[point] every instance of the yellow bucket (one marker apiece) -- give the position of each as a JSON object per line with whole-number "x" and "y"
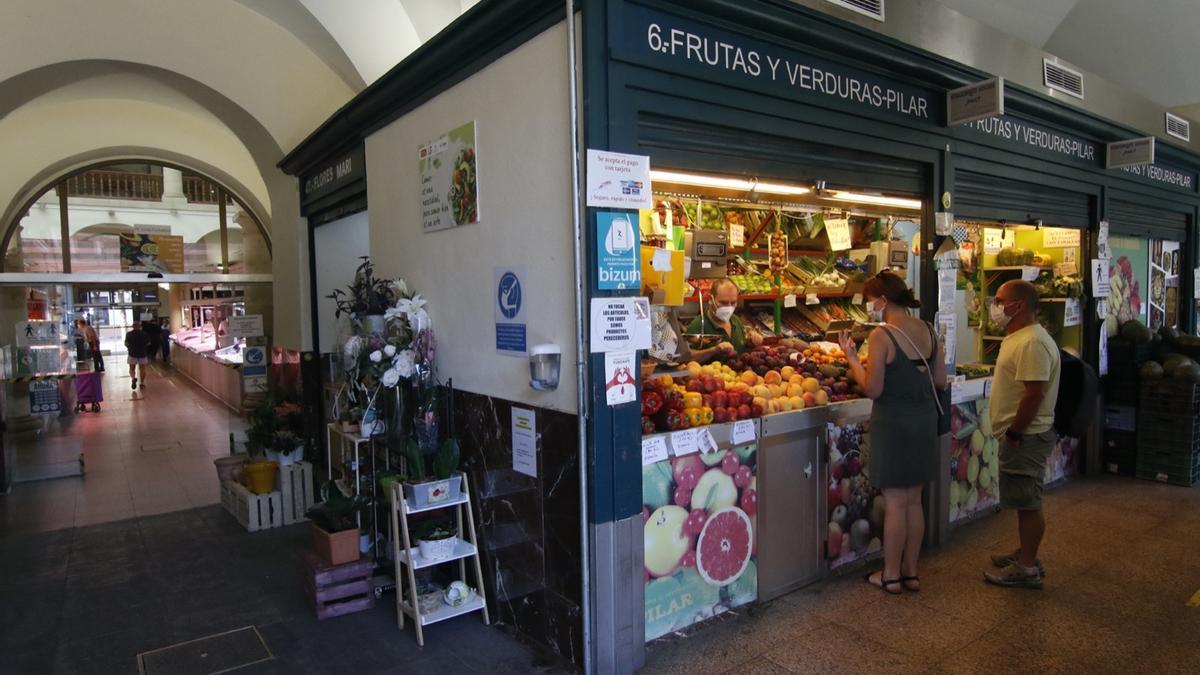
{"x": 260, "y": 477}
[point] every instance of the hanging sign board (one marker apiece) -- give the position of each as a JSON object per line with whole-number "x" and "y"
{"x": 975, "y": 101}
{"x": 1072, "y": 312}
{"x": 1134, "y": 152}
{"x": 249, "y": 325}
{"x": 617, "y": 247}
{"x": 618, "y": 181}
{"x": 30, "y": 333}
{"x": 620, "y": 382}
{"x": 1059, "y": 237}
{"x": 449, "y": 186}
{"x": 838, "y": 230}
{"x": 995, "y": 238}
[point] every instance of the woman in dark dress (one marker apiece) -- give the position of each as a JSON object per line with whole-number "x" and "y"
{"x": 904, "y": 438}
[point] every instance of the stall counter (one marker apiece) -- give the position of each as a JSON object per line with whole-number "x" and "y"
{"x": 218, "y": 377}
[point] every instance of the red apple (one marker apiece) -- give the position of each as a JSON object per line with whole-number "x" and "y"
{"x": 744, "y": 412}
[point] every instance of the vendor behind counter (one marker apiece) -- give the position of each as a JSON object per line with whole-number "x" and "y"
{"x": 718, "y": 322}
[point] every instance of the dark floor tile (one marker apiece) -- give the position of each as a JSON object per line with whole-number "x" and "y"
{"x": 35, "y": 659}
{"x": 113, "y": 653}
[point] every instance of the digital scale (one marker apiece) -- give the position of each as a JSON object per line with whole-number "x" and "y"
{"x": 709, "y": 252}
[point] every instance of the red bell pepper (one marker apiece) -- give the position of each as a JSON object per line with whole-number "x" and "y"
{"x": 652, "y": 402}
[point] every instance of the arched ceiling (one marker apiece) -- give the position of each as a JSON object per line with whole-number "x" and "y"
{"x": 1149, "y": 48}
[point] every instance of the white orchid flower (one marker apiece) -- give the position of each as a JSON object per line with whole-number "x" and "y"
{"x": 389, "y": 351}
{"x": 405, "y": 363}
{"x": 390, "y": 378}
{"x": 376, "y": 356}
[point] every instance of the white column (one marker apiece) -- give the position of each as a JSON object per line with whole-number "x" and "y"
{"x": 172, "y": 183}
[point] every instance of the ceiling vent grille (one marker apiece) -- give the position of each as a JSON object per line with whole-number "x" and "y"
{"x": 871, "y": 8}
{"x": 1179, "y": 127}
{"x": 1061, "y": 78}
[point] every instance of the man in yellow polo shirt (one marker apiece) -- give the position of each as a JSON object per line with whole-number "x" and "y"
{"x": 1024, "y": 390}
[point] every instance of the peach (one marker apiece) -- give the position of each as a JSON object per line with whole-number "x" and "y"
{"x": 795, "y": 390}
{"x": 811, "y": 384}
{"x": 761, "y": 391}
{"x": 773, "y": 377}
{"x": 797, "y": 403}
{"x": 796, "y": 379}
{"x": 785, "y": 404}
{"x": 749, "y": 377}
{"x": 773, "y": 406}
{"x": 694, "y": 368}
{"x": 787, "y": 372}
{"x": 810, "y": 399}
{"x": 822, "y": 397}
{"x": 776, "y": 390}
{"x": 760, "y": 401}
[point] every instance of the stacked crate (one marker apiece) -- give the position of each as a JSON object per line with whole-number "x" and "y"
{"x": 1121, "y": 391}
{"x": 1168, "y": 435}
{"x": 336, "y": 590}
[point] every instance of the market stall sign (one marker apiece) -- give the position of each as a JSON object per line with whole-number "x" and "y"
{"x": 162, "y": 253}
{"x": 449, "y": 189}
{"x": 617, "y": 244}
{"x": 975, "y": 101}
{"x": 1031, "y": 138}
{"x": 1133, "y": 152}
{"x": 838, "y": 231}
{"x": 620, "y": 324}
{"x": 249, "y": 325}
{"x": 44, "y": 398}
{"x": 333, "y": 175}
{"x": 701, "y": 51}
{"x": 1060, "y": 237}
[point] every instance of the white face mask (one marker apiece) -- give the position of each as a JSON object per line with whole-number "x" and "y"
{"x": 875, "y": 314}
{"x": 996, "y": 312}
{"x": 724, "y": 313}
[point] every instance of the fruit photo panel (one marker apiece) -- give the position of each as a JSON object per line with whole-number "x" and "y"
{"x": 699, "y": 528}
{"x": 855, "y": 530}
{"x": 974, "y": 461}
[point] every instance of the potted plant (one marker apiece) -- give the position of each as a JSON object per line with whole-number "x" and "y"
{"x": 434, "y": 481}
{"x": 348, "y": 420}
{"x": 335, "y": 524}
{"x": 276, "y": 431}
{"x": 367, "y": 298}
{"x": 436, "y": 538}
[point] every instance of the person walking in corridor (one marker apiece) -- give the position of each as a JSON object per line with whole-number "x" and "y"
{"x": 92, "y": 338}
{"x": 907, "y": 365}
{"x": 138, "y": 345}
{"x": 1024, "y": 390}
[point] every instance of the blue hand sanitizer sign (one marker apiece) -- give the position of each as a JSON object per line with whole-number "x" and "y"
{"x": 618, "y": 264}
{"x": 509, "y": 305}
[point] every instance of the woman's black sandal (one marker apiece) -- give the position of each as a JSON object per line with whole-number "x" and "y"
{"x": 883, "y": 583}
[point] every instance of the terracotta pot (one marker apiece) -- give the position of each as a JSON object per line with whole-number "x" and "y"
{"x": 337, "y": 548}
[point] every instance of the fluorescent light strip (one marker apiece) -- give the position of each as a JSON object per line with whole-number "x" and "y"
{"x": 726, "y": 183}
{"x": 842, "y": 196}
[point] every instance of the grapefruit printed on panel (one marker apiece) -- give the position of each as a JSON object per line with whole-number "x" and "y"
{"x": 724, "y": 548}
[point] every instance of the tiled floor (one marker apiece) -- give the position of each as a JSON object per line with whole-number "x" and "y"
{"x": 148, "y": 451}
{"x": 1123, "y": 559}
{"x": 89, "y": 599}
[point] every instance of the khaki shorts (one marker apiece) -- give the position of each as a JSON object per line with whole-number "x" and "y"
{"x": 1022, "y": 470}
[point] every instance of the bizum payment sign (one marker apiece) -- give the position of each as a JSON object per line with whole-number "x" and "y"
{"x": 617, "y": 241}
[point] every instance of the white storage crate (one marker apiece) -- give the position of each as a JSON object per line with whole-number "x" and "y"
{"x": 296, "y": 486}
{"x": 255, "y": 512}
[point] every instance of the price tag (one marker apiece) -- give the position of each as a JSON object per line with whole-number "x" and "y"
{"x": 838, "y": 231}
{"x": 654, "y": 449}
{"x": 1072, "y": 312}
{"x": 661, "y": 260}
{"x": 812, "y": 299}
{"x": 743, "y": 432}
{"x": 737, "y": 235}
{"x": 857, "y": 299}
{"x": 789, "y": 300}
{"x": 684, "y": 442}
{"x": 705, "y": 440}
{"x": 1030, "y": 273}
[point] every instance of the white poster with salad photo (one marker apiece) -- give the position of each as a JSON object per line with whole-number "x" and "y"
{"x": 449, "y": 183}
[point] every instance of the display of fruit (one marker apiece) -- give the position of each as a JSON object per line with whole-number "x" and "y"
{"x": 1014, "y": 257}
{"x": 752, "y": 284}
{"x": 1124, "y": 300}
{"x": 855, "y": 506}
{"x": 974, "y": 460}
{"x": 1066, "y": 286}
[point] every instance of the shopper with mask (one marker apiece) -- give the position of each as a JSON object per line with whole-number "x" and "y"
{"x": 1024, "y": 391}
{"x": 907, "y": 363}
{"x": 719, "y": 319}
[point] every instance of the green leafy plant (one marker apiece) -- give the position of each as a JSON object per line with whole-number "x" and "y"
{"x": 337, "y": 511}
{"x": 433, "y": 529}
{"x": 366, "y": 295}
{"x": 443, "y": 465}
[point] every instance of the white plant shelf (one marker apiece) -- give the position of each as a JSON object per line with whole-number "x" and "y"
{"x": 462, "y": 549}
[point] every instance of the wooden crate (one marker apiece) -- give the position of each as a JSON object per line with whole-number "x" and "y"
{"x": 336, "y": 590}
{"x": 296, "y": 485}
{"x": 255, "y": 512}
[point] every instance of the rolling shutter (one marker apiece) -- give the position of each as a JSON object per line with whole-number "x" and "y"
{"x": 1135, "y": 220}
{"x": 985, "y": 197}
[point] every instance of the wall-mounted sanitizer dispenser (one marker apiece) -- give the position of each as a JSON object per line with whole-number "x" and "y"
{"x": 545, "y": 363}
